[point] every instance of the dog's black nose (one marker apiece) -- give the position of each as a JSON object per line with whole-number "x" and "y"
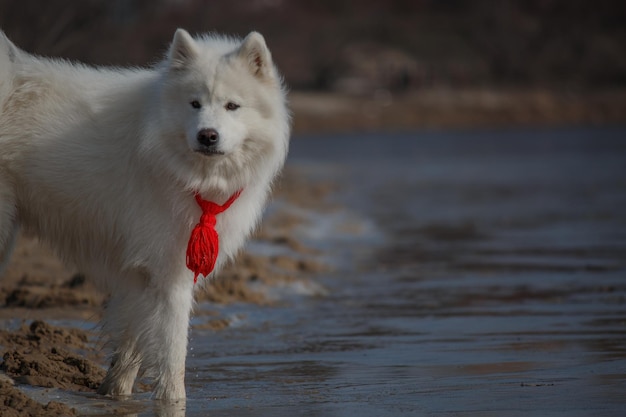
{"x": 208, "y": 137}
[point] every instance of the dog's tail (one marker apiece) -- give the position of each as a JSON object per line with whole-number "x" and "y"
{"x": 8, "y": 54}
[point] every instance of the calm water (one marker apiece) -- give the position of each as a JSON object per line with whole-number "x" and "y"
{"x": 477, "y": 273}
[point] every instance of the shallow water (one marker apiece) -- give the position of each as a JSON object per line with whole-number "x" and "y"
{"x": 477, "y": 273}
{"x": 487, "y": 277}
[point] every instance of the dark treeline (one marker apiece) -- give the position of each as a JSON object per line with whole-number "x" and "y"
{"x": 354, "y": 46}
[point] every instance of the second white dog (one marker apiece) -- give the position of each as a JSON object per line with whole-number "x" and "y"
{"x": 104, "y": 164}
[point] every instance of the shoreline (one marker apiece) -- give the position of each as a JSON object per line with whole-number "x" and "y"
{"x": 454, "y": 109}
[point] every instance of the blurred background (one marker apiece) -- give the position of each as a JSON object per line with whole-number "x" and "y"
{"x": 375, "y": 64}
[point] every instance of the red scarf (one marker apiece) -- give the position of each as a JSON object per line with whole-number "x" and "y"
{"x": 203, "y": 246}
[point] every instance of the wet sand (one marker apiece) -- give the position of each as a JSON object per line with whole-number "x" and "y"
{"x": 44, "y": 344}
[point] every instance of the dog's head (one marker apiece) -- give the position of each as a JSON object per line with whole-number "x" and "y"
{"x": 221, "y": 112}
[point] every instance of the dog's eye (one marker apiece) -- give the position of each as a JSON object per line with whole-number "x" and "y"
{"x": 232, "y": 106}
{"x": 196, "y": 104}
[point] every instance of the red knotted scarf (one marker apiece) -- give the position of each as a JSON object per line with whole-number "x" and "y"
{"x": 203, "y": 246}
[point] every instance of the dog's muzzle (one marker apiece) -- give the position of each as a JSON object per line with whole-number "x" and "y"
{"x": 209, "y": 140}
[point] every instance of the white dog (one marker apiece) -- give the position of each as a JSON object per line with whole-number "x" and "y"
{"x": 104, "y": 165}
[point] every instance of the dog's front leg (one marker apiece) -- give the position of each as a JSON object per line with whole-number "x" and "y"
{"x": 121, "y": 376}
{"x": 147, "y": 327}
{"x": 169, "y": 343}
{"x": 124, "y": 314}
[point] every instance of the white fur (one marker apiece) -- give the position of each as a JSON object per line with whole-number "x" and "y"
{"x": 103, "y": 163}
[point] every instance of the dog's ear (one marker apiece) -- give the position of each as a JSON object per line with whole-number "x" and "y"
{"x": 255, "y": 53}
{"x": 182, "y": 50}
{"x": 7, "y": 48}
